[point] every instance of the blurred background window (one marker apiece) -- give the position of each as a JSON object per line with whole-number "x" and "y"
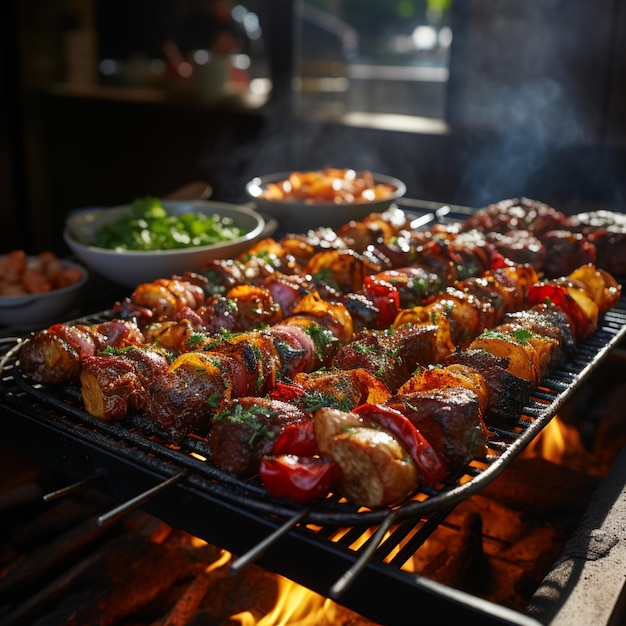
{"x": 372, "y": 57}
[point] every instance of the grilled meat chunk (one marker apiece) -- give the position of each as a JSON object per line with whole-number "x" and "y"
{"x": 162, "y": 298}
{"x": 185, "y": 398}
{"x": 393, "y": 355}
{"x": 515, "y": 214}
{"x": 520, "y": 246}
{"x": 508, "y": 393}
{"x": 606, "y": 230}
{"x": 49, "y": 358}
{"x": 111, "y": 385}
{"x": 565, "y": 251}
{"x": 248, "y": 430}
{"x": 449, "y": 419}
{"x": 243, "y": 308}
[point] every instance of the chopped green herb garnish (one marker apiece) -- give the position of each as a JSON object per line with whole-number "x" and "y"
{"x": 148, "y": 226}
{"x": 362, "y": 348}
{"x": 195, "y": 339}
{"x": 314, "y": 400}
{"x": 249, "y": 417}
{"x": 322, "y": 338}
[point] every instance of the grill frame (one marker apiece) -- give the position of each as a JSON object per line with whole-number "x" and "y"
{"x": 61, "y": 406}
{"x": 220, "y": 513}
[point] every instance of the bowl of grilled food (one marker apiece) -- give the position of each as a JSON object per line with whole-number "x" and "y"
{"x": 153, "y": 238}
{"x": 330, "y": 197}
{"x": 36, "y": 289}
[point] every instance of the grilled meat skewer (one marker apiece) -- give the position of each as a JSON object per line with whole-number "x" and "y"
{"x": 325, "y": 308}
{"x": 54, "y": 356}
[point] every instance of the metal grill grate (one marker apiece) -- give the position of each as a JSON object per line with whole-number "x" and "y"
{"x": 62, "y": 408}
{"x": 360, "y": 550}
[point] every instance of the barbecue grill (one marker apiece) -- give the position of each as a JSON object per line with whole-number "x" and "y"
{"x": 355, "y": 552}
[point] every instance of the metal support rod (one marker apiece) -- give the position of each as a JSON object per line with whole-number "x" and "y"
{"x": 126, "y": 507}
{"x": 340, "y": 587}
{"x": 69, "y": 489}
{"x": 262, "y": 546}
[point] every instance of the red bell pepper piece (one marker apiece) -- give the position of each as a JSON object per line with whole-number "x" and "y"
{"x": 298, "y": 439}
{"x": 498, "y": 260}
{"x": 429, "y": 464}
{"x": 385, "y": 297}
{"x": 557, "y": 295}
{"x": 300, "y": 479}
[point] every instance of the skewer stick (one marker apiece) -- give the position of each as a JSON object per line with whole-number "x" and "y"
{"x": 340, "y": 587}
{"x": 441, "y": 212}
{"x": 64, "y": 491}
{"x": 126, "y": 507}
{"x": 261, "y": 547}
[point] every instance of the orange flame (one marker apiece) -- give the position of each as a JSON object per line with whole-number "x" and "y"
{"x": 296, "y": 606}
{"x": 552, "y": 442}
{"x": 560, "y": 443}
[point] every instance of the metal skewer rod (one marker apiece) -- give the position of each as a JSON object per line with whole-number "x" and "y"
{"x": 441, "y": 212}
{"x": 126, "y": 507}
{"x": 64, "y": 491}
{"x": 340, "y": 587}
{"x": 261, "y": 547}
{"x": 423, "y": 220}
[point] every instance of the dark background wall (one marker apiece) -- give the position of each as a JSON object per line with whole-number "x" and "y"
{"x": 536, "y": 107}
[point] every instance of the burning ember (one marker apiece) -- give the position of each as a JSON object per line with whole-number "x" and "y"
{"x": 58, "y": 567}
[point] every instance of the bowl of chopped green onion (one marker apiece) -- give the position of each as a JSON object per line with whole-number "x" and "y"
{"x": 153, "y": 238}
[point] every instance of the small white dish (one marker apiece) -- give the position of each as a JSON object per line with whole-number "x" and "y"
{"x": 38, "y": 309}
{"x": 131, "y": 268}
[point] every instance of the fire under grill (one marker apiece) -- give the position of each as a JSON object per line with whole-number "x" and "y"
{"x": 330, "y": 547}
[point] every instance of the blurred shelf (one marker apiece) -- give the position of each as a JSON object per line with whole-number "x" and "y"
{"x": 181, "y": 94}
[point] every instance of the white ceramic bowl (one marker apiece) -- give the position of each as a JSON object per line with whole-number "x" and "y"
{"x": 131, "y": 268}
{"x": 298, "y": 217}
{"x": 38, "y": 309}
